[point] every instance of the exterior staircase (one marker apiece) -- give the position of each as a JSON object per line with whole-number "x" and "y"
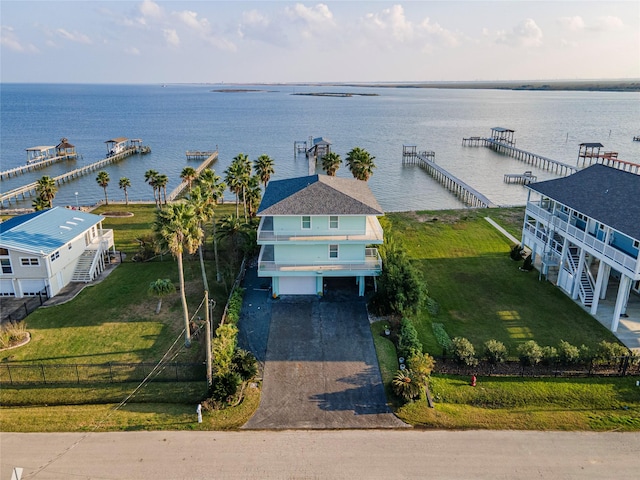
{"x": 84, "y": 270}
{"x": 586, "y": 281}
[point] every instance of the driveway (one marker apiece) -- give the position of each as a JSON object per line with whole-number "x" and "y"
{"x": 320, "y": 368}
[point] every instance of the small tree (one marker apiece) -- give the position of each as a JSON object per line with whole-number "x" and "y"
{"x": 421, "y": 364}
{"x": 529, "y": 353}
{"x": 495, "y": 352}
{"x": 406, "y": 385}
{"x": 224, "y": 346}
{"x": 463, "y": 352}
{"x": 161, "y": 288}
{"x": 568, "y": 354}
{"x": 408, "y": 343}
{"x": 244, "y": 364}
{"x": 609, "y": 352}
{"x": 549, "y": 355}
{"x": 103, "y": 180}
{"x": 124, "y": 183}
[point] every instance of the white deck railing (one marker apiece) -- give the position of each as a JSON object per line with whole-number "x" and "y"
{"x": 371, "y": 262}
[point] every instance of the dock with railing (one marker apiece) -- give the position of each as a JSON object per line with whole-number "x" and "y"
{"x": 521, "y": 178}
{"x": 176, "y": 192}
{"x": 466, "y": 193}
{"x": 30, "y": 167}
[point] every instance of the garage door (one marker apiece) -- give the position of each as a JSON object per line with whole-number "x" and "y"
{"x": 31, "y": 288}
{"x": 6, "y": 288}
{"x": 298, "y": 285}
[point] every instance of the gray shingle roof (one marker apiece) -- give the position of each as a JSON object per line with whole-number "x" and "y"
{"x": 319, "y": 195}
{"x": 606, "y": 194}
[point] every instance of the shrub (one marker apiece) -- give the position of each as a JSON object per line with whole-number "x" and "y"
{"x": 224, "y": 387}
{"x": 516, "y": 252}
{"x": 495, "y": 352}
{"x": 12, "y": 333}
{"x": 406, "y": 385}
{"x": 223, "y": 348}
{"x": 568, "y": 354}
{"x": 549, "y": 355}
{"x": 529, "y": 353}
{"x": 235, "y": 305}
{"x": 244, "y": 364}
{"x": 585, "y": 355}
{"x": 609, "y": 352}
{"x": 421, "y": 364}
{"x": 442, "y": 337}
{"x": 408, "y": 343}
{"x": 463, "y": 352}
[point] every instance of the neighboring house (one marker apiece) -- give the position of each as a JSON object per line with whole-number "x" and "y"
{"x": 316, "y": 227}
{"x": 42, "y": 252}
{"x": 586, "y": 227}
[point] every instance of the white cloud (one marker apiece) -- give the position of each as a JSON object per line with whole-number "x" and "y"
{"x": 572, "y": 24}
{"x": 203, "y": 30}
{"x": 132, "y": 51}
{"x": 150, "y": 9}
{"x": 9, "y": 39}
{"x": 392, "y": 21}
{"x": 607, "y": 24}
{"x": 315, "y": 20}
{"x": 171, "y": 37}
{"x": 73, "y": 36}
{"x": 525, "y": 34}
{"x": 258, "y": 26}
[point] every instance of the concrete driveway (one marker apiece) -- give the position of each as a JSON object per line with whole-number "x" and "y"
{"x": 320, "y": 368}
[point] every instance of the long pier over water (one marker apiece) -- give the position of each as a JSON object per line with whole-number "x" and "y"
{"x": 30, "y": 189}
{"x": 212, "y": 157}
{"x": 426, "y": 160}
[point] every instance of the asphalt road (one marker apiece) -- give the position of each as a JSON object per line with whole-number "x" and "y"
{"x": 320, "y": 454}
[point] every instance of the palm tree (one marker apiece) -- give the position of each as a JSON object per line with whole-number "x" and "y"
{"x": 212, "y": 184}
{"x": 40, "y": 203}
{"x": 161, "y": 288}
{"x": 235, "y": 232}
{"x": 203, "y": 205}
{"x": 330, "y": 163}
{"x": 103, "y": 180}
{"x": 264, "y": 168}
{"x": 46, "y": 189}
{"x": 360, "y": 163}
{"x": 125, "y": 183}
{"x": 177, "y": 229}
{"x": 161, "y": 184}
{"x": 188, "y": 175}
{"x": 236, "y": 176}
{"x": 252, "y": 195}
{"x": 150, "y": 177}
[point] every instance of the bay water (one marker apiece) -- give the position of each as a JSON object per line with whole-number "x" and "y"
{"x": 172, "y": 119}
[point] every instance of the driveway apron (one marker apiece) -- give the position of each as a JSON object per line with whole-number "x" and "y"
{"x": 321, "y": 369}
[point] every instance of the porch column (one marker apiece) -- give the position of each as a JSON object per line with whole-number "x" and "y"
{"x": 621, "y": 301}
{"x": 275, "y": 286}
{"x": 605, "y": 282}
{"x": 361, "y": 286}
{"x": 576, "y": 280}
{"x": 598, "y": 288}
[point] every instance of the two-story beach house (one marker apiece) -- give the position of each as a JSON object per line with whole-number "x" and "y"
{"x": 42, "y": 252}
{"x": 316, "y": 227}
{"x": 586, "y": 229}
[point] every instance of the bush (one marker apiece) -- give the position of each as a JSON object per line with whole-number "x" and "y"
{"x": 549, "y": 355}
{"x": 408, "y": 343}
{"x": 224, "y": 387}
{"x": 244, "y": 364}
{"x": 495, "y": 352}
{"x": 608, "y": 352}
{"x": 516, "y": 252}
{"x": 463, "y": 352}
{"x": 442, "y": 337}
{"x": 223, "y": 348}
{"x": 421, "y": 364}
{"x": 529, "y": 353}
{"x": 235, "y": 305}
{"x": 568, "y": 354}
{"x": 406, "y": 385}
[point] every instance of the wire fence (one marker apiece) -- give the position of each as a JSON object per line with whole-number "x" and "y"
{"x": 76, "y": 373}
{"x": 14, "y": 310}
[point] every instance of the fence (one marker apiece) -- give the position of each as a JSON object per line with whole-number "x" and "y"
{"x": 14, "y": 310}
{"x": 12, "y": 374}
{"x": 619, "y": 367}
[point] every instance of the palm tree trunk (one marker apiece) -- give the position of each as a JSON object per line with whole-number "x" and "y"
{"x": 185, "y": 307}
{"x": 204, "y": 272}
{"x": 106, "y": 197}
{"x": 215, "y": 252}
{"x": 126, "y": 198}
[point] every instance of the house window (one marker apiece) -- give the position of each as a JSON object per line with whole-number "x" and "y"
{"x": 55, "y": 255}
{"x": 333, "y": 251}
{"x": 333, "y": 221}
{"x": 306, "y": 222}
{"x": 29, "y": 262}
{"x": 5, "y": 263}
{"x": 636, "y": 244}
{"x": 4, "y": 251}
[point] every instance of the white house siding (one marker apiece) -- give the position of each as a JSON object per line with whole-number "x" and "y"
{"x": 317, "y": 253}
{"x": 320, "y": 225}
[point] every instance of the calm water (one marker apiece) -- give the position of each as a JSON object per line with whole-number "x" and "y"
{"x": 177, "y": 118}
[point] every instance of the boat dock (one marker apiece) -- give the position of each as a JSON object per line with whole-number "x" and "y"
{"x": 200, "y": 154}
{"x": 43, "y": 156}
{"x": 30, "y": 189}
{"x": 467, "y": 194}
{"x": 521, "y": 178}
{"x": 176, "y": 192}
{"x": 30, "y": 167}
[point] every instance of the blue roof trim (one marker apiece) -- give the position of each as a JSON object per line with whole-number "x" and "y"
{"x": 19, "y": 220}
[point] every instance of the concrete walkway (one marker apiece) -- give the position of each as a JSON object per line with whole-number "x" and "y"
{"x": 321, "y": 369}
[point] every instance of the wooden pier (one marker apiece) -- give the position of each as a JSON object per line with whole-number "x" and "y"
{"x": 200, "y": 154}
{"x": 534, "y": 159}
{"x": 411, "y": 156}
{"x": 521, "y": 178}
{"x": 467, "y": 194}
{"x": 474, "y": 142}
{"x": 176, "y": 192}
{"x": 14, "y": 172}
{"x": 30, "y": 189}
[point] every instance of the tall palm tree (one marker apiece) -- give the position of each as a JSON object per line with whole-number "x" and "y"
{"x": 124, "y": 184}
{"x": 330, "y": 163}
{"x": 235, "y": 176}
{"x": 177, "y": 229}
{"x": 161, "y": 184}
{"x": 203, "y": 205}
{"x": 264, "y": 167}
{"x": 188, "y": 175}
{"x": 235, "y": 232}
{"x": 150, "y": 177}
{"x": 212, "y": 184}
{"x": 103, "y": 180}
{"x": 40, "y": 203}
{"x": 360, "y": 163}
{"x": 46, "y": 189}
{"x": 252, "y": 195}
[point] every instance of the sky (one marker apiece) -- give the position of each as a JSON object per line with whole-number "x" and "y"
{"x": 148, "y": 41}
